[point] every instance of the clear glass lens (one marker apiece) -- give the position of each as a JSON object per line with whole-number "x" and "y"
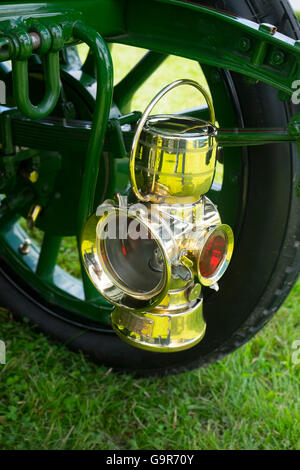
{"x": 129, "y": 257}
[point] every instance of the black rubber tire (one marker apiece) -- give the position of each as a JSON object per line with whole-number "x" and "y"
{"x": 266, "y": 262}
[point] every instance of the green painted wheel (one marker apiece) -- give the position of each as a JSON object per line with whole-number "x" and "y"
{"x": 256, "y": 195}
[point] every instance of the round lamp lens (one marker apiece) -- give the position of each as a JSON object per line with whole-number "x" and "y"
{"x": 213, "y": 254}
{"x": 129, "y": 260}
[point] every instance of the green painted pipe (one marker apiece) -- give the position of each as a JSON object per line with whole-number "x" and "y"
{"x": 52, "y": 86}
{"x": 104, "y": 70}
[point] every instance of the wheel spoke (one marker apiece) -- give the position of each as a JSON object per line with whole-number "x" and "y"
{"x": 48, "y": 256}
{"x": 124, "y": 91}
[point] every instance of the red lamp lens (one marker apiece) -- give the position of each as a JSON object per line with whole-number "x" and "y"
{"x": 212, "y": 255}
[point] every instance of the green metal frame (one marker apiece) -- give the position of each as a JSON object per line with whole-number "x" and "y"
{"x": 217, "y": 39}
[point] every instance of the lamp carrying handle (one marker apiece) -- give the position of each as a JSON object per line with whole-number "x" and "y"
{"x": 144, "y": 118}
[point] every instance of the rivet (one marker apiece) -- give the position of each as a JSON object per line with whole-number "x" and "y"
{"x": 245, "y": 44}
{"x": 277, "y": 58}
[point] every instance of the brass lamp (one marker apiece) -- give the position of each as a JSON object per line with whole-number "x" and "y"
{"x": 151, "y": 258}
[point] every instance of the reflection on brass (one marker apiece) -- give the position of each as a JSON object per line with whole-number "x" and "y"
{"x": 175, "y": 163}
{"x": 173, "y": 158}
{"x": 161, "y": 331}
{"x": 33, "y": 215}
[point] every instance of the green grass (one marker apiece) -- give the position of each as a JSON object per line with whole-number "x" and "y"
{"x": 173, "y": 68}
{"x": 51, "y": 398}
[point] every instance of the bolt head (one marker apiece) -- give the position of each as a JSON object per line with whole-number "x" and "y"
{"x": 24, "y": 249}
{"x": 245, "y": 44}
{"x": 277, "y": 58}
{"x": 35, "y": 39}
